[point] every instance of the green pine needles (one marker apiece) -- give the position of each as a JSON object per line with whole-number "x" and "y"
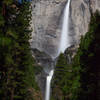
{"x": 17, "y": 80}
{"x": 81, "y": 79}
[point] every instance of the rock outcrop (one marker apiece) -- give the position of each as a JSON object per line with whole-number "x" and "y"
{"x": 44, "y": 64}
{"x": 46, "y": 24}
{"x": 80, "y": 15}
{"x": 47, "y": 18}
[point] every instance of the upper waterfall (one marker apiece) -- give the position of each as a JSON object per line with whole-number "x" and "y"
{"x": 65, "y": 42}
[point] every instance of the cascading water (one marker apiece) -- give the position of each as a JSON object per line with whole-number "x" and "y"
{"x": 64, "y": 44}
{"x": 48, "y": 82}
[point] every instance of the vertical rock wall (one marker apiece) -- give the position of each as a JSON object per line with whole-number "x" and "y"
{"x": 80, "y": 15}
{"x": 46, "y": 24}
{"x": 47, "y": 21}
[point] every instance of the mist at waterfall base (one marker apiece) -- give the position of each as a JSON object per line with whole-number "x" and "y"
{"x": 64, "y": 44}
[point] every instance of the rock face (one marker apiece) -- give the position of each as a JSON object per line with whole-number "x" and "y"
{"x": 46, "y": 24}
{"x": 95, "y": 5}
{"x": 80, "y": 15}
{"x": 44, "y": 64}
{"x": 47, "y": 18}
{"x": 47, "y": 21}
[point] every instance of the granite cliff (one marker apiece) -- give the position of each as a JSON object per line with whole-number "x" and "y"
{"x": 81, "y": 11}
{"x": 47, "y": 18}
{"x": 47, "y": 21}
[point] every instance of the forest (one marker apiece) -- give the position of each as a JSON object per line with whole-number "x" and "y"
{"x": 78, "y": 80}
{"x": 17, "y": 80}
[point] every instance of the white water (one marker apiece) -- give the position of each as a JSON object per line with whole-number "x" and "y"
{"x": 65, "y": 42}
{"x": 48, "y": 82}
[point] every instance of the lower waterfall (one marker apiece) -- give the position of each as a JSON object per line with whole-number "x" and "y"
{"x": 48, "y": 82}
{"x": 64, "y": 44}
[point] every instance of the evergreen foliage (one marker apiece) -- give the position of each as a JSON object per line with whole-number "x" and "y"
{"x": 89, "y": 53}
{"x": 16, "y": 63}
{"x": 81, "y": 79}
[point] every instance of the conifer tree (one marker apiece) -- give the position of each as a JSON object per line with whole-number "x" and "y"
{"x": 16, "y": 62}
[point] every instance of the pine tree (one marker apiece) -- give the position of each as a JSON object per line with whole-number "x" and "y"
{"x": 16, "y": 62}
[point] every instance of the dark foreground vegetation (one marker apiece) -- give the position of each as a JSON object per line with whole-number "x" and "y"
{"x": 17, "y": 81}
{"x": 81, "y": 79}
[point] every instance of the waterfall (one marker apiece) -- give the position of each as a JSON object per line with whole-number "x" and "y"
{"x": 48, "y": 82}
{"x": 65, "y": 42}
